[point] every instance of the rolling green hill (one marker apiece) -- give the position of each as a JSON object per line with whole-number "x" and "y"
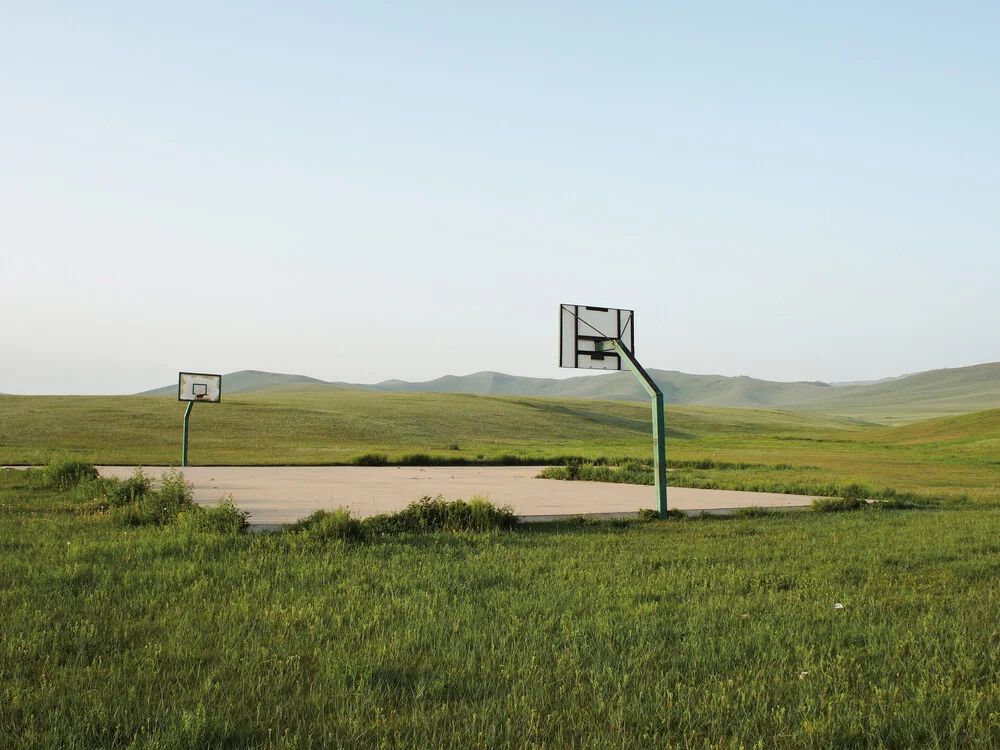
{"x": 908, "y": 398}
{"x": 923, "y": 395}
{"x": 253, "y": 381}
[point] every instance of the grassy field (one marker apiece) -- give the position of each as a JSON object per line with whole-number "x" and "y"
{"x": 952, "y": 457}
{"x": 121, "y": 632}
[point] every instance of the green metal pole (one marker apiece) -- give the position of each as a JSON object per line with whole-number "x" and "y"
{"x": 659, "y": 431}
{"x": 187, "y": 416}
{"x": 659, "y": 455}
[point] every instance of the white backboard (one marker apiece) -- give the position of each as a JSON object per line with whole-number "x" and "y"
{"x": 196, "y": 386}
{"x": 582, "y": 326}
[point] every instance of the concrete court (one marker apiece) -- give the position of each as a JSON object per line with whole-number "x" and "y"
{"x": 283, "y": 494}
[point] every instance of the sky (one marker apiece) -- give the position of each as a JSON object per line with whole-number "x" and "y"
{"x": 364, "y": 191}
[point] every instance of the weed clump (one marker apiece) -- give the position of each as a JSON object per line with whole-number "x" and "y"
{"x": 421, "y": 516}
{"x": 837, "y": 504}
{"x": 328, "y": 526}
{"x": 122, "y": 492}
{"x": 135, "y": 501}
{"x": 896, "y": 503}
{"x": 752, "y": 511}
{"x": 371, "y": 459}
{"x": 439, "y": 514}
{"x": 160, "y": 507}
{"x": 647, "y": 515}
{"x": 223, "y": 518}
{"x": 629, "y": 471}
{"x": 65, "y": 473}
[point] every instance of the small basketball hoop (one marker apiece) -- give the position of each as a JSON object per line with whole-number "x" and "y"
{"x": 192, "y": 387}
{"x": 195, "y": 386}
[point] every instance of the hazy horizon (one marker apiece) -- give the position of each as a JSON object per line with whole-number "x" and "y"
{"x": 360, "y": 192}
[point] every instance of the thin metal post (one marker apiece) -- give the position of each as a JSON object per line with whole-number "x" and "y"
{"x": 659, "y": 431}
{"x": 187, "y": 415}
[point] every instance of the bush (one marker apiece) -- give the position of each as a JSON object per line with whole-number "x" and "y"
{"x": 64, "y": 473}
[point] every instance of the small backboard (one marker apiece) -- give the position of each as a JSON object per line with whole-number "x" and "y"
{"x": 582, "y": 326}
{"x": 197, "y": 386}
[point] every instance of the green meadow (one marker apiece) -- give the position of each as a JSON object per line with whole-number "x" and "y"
{"x": 133, "y": 619}
{"x": 129, "y": 626}
{"x": 951, "y": 458}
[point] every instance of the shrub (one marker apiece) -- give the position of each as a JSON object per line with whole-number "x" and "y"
{"x": 64, "y": 473}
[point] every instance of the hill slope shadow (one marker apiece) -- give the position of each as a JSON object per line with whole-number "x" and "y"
{"x": 623, "y": 423}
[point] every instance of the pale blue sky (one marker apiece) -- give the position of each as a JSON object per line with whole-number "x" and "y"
{"x": 362, "y": 191}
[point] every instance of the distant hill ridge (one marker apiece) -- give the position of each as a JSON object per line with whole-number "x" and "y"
{"x": 924, "y": 394}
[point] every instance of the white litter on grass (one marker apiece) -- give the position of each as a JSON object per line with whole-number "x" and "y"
{"x": 838, "y": 605}
{"x": 803, "y": 675}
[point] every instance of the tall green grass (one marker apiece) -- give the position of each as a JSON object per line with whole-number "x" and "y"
{"x": 692, "y": 633}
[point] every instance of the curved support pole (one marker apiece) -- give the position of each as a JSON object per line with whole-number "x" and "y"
{"x": 659, "y": 433}
{"x": 187, "y": 416}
